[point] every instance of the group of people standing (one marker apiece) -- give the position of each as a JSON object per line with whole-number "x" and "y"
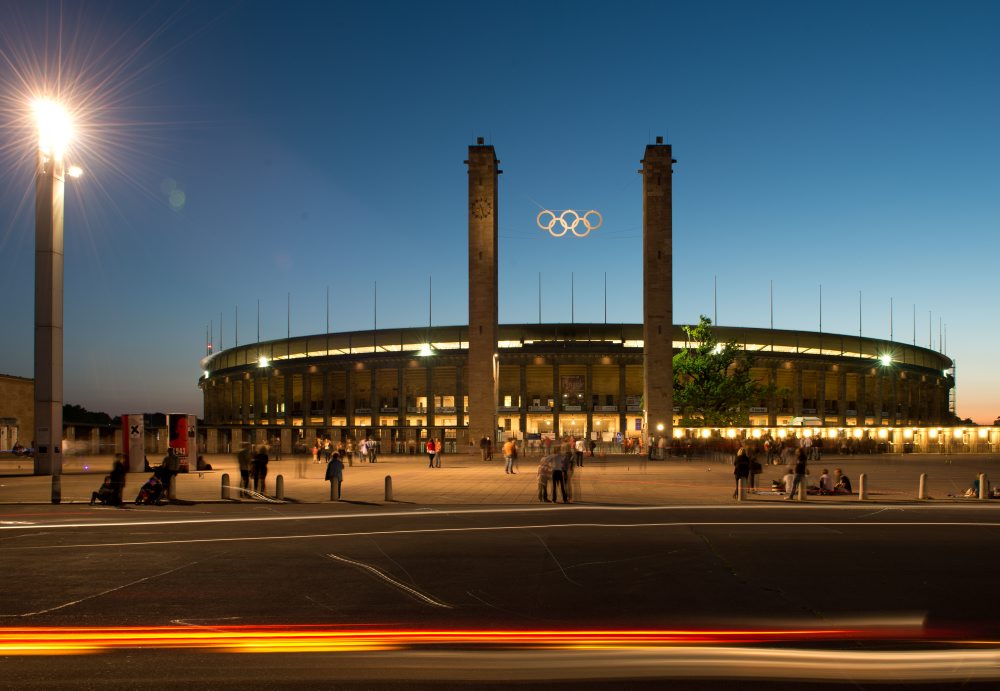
{"x": 367, "y": 450}
{"x": 253, "y": 465}
{"x": 434, "y": 449}
{"x": 557, "y": 468}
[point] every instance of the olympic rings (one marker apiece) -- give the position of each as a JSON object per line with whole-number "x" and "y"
{"x": 569, "y": 225}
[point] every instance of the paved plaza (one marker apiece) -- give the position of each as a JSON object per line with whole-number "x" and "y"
{"x": 467, "y": 480}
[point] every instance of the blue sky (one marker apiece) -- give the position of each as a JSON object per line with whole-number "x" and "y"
{"x": 238, "y": 151}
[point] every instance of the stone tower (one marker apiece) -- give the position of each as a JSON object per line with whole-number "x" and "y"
{"x": 657, "y": 288}
{"x": 483, "y": 314}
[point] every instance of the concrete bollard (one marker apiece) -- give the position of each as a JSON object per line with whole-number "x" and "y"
{"x": 802, "y": 490}
{"x": 56, "y": 489}
{"x": 172, "y": 488}
{"x": 388, "y": 487}
{"x": 984, "y": 489}
{"x": 334, "y": 490}
{"x": 922, "y": 490}
{"x": 279, "y": 488}
{"x": 225, "y": 485}
{"x": 862, "y": 492}
{"x": 741, "y": 490}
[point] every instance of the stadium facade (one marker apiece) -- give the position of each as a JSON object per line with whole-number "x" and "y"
{"x": 607, "y": 381}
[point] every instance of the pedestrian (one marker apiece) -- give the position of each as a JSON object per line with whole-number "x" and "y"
{"x": 430, "y": 453}
{"x": 543, "y": 474}
{"x": 568, "y": 463}
{"x": 558, "y": 478}
{"x": 335, "y": 475}
{"x": 373, "y": 450}
{"x": 508, "y": 456}
{"x": 245, "y": 460}
{"x": 741, "y": 469}
{"x": 484, "y": 444}
{"x": 117, "y": 478}
{"x": 799, "y": 473}
{"x": 363, "y": 450}
{"x": 171, "y": 463}
{"x": 438, "y": 447}
{"x": 578, "y": 450}
{"x": 350, "y": 452}
{"x": 259, "y": 470}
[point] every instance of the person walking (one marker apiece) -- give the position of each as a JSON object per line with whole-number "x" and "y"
{"x": 558, "y": 477}
{"x": 508, "y": 456}
{"x": 579, "y": 448}
{"x": 741, "y": 469}
{"x": 438, "y": 448}
{"x": 568, "y": 463}
{"x": 543, "y": 474}
{"x": 373, "y": 450}
{"x": 244, "y": 459}
{"x": 259, "y": 470}
{"x": 335, "y": 475}
{"x": 799, "y": 474}
{"x": 430, "y": 452}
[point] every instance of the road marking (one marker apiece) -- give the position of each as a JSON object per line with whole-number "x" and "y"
{"x": 390, "y": 580}
{"x": 3, "y": 523}
{"x": 499, "y": 528}
{"x": 422, "y": 512}
{"x": 103, "y": 592}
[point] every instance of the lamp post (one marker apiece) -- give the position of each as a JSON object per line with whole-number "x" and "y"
{"x": 50, "y": 175}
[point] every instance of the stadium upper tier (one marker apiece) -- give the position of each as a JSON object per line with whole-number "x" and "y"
{"x": 588, "y": 376}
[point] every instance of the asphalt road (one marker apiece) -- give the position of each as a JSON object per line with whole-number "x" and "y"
{"x": 910, "y": 576}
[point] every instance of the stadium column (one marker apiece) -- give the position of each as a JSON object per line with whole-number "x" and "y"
{"x": 657, "y": 287}
{"x": 522, "y": 399}
{"x": 622, "y": 408}
{"x": 821, "y": 393}
{"x": 588, "y": 401}
{"x": 842, "y": 397}
{"x": 483, "y": 313}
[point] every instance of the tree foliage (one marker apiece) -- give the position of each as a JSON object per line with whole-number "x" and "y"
{"x": 712, "y": 382}
{"x": 78, "y": 415}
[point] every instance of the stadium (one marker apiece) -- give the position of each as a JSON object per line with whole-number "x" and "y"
{"x": 607, "y": 382}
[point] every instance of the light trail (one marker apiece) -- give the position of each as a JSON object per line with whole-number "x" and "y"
{"x": 425, "y": 512}
{"x": 501, "y": 528}
{"x": 235, "y": 639}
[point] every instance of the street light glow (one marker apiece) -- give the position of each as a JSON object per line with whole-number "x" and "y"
{"x": 54, "y": 127}
{"x": 75, "y": 171}
{"x": 886, "y": 360}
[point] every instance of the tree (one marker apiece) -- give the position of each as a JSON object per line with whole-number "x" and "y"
{"x": 712, "y": 382}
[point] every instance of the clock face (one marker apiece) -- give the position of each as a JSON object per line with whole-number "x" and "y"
{"x": 481, "y": 208}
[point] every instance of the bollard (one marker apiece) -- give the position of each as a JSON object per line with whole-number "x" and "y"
{"x": 334, "y": 490}
{"x": 862, "y": 492}
{"x": 802, "y": 490}
{"x": 225, "y": 485}
{"x": 172, "y": 488}
{"x": 922, "y": 491}
{"x": 741, "y": 490}
{"x": 279, "y": 488}
{"x": 56, "y": 489}
{"x": 388, "y": 487}
{"x": 984, "y": 490}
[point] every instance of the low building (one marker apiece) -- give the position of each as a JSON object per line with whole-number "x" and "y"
{"x": 17, "y": 411}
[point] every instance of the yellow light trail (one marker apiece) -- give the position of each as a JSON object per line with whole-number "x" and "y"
{"x": 305, "y": 639}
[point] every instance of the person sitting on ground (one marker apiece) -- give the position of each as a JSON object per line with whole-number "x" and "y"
{"x": 105, "y": 494}
{"x": 825, "y": 482}
{"x": 787, "y": 480}
{"x": 843, "y": 484}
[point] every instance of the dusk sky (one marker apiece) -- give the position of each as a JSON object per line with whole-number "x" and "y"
{"x": 242, "y": 151}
